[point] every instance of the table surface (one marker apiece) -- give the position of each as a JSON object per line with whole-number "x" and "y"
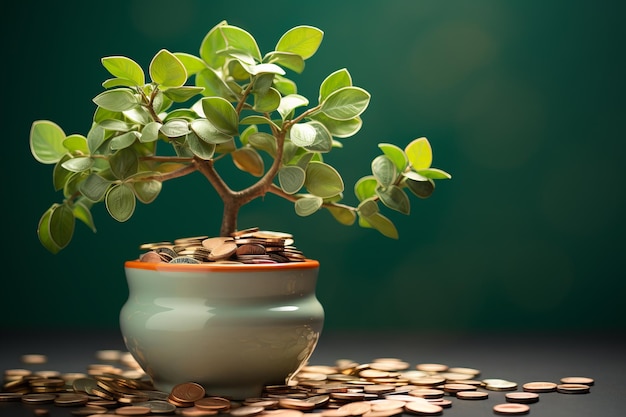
{"x": 516, "y": 357}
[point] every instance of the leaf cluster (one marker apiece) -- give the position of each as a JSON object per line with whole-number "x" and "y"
{"x": 227, "y": 102}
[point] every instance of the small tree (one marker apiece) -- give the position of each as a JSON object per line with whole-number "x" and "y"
{"x": 240, "y": 104}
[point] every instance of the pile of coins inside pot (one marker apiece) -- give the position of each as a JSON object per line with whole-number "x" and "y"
{"x": 384, "y": 387}
{"x": 250, "y": 246}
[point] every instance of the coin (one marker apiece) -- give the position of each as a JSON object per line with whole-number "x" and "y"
{"x": 384, "y": 405}
{"x": 33, "y": 359}
{"x": 427, "y": 393}
{"x": 246, "y": 410}
{"x": 10, "y": 396}
{"x": 384, "y": 413}
{"x": 356, "y": 408}
{"x": 577, "y": 380}
{"x": 572, "y": 388}
{"x": 495, "y": 384}
{"x": 71, "y": 399}
{"x": 423, "y": 409}
{"x": 522, "y": 397}
{"x": 539, "y": 386}
{"x": 472, "y": 395}
{"x": 213, "y": 403}
{"x": 511, "y": 409}
{"x": 431, "y": 367}
{"x": 454, "y": 388}
{"x": 38, "y": 398}
{"x": 132, "y": 410}
{"x": 187, "y": 392}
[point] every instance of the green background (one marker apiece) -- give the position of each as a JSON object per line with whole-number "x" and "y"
{"x": 523, "y": 102}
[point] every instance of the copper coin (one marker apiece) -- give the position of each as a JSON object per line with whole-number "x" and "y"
{"x": 187, "y": 392}
{"x": 38, "y": 398}
{"x": 427, "y": 393}
{"x": 572, "y": 388}
{"x": 10, "y": 396}
{"x": 511, "y": 409}
{"x": 577, "y": 380}
{"x": 539, "y": 387}
{"x": 522, "y": 397}
{"x": 441, "y": 402}
{"x": 246, "y": 410}
{"x": 472, "y": 395}
{"x": 213, "y": 403}
{"x": 453, "y": 388}
{"x": 384, "y": 413}
{"x": 428, "y": 381}
{"x": 386, "y": 405}
{"x": 133, "y": 410}
{"x": 423, "y": 409}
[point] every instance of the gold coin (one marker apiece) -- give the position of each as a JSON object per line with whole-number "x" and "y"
{"x": 511, "y": 409}
{"x": 432, "y": 367}
{"x": 495, "y": 384}
{"x": 539, "y": 386}
{"x": 577, "y": 380}
{"x": 423, "y": 409}
{"x": 34, "y": 359}
{"x": 522, "y": 397}
{"x": 472, "y": 395}
{"x": 572, "y": 388}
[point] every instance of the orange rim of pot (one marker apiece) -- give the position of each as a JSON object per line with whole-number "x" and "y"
{"x": 164, "y": 266}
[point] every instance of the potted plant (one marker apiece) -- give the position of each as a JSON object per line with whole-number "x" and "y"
{"x": 190, "y": 115}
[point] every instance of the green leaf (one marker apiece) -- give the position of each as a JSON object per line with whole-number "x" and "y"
{"x": 343, "y": 215}
{"x": 384, "y": 170}
{"x": 287, "y": 60}
{"x": 119, "y": 99}
{"x": 207, "y": 132}
{"x": 124, "y": 163}
{"x": 368, "y": 207}
{"x": 345, "y": 103}
{"x": 291, "y": 178}
{"x": 323, "y": 180}
{"x": 338, "y": 79}
{"x": 60, "y": 175}
{"x": 115, "y": 125}
{"x": 147, "y": 191}
{"x": 81, "y": 212}
{"x": 61, "y": 226}
{"x": 303, "y": 134}
{"x": 46, "y": 141}
{"x": 262, "y": 83}
{"x": 284, "y": 85}
{"x": 435, "y": 174}
{"x": 258, "y": 120}
{"x": 365, "y": 187}
{"x": 394, "y": 198}
{"x": 150, "y": 132}
{"x": 79, "y": 164}
{"x": 248, "y": 159}
{"x": 222, "y": 114}
{"x": 383, "y": 225}
{"x": 211, "y": 44}
{"x": 182, "y": 94}
{"x": 422, "y": 189}
{"x": 200, "y": 147}
{"x": 213, "y": 84}
{"x": 247, "y": 132}
{"x": 289, "y": 103}
{"x": 339, "y": 128}
{"x": 76, "y": 144}
{"x": 238, "y": 39}
{"x": 263, "y": 69}
{"x": 94, "y": 187}
{"x": 395, "y": 154}
{"x": 192, "y": 63}
{"x": 167, "y": 71}
{"x": 123, "y": 67}
{"x": 120, "y": 202}
{"x": 268, "y": 102}
{"x": 138, "y": 115}
{"x": 420, "y": 154}
{"x": 56, "y": 227}
{"x": 124, "y": 140}
{"x": 263, "y": 141}
{"x": 306, "y": 206}
{"x": 301, "y": 40}
{"x": 175, "y": 128}
{"x": 118, "y": 82}
{"x": 323, "y": 141}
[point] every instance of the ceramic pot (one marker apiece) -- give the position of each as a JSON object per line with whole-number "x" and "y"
{"x": 232, "y": 328}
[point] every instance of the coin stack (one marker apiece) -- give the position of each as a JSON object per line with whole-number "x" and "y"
{"x": 384, "y": 387}
{"x": 250, "y": 246}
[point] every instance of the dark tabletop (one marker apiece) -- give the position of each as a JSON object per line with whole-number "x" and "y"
{"x": 517, "y": 357}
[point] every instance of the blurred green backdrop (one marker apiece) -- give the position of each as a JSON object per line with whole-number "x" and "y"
{"x": 523, "y": 102}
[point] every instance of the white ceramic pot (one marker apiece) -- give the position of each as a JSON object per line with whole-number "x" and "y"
{"x": 232, "y": 328}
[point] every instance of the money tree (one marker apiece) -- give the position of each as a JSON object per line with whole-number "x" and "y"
{"x": 191, "y": 113}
